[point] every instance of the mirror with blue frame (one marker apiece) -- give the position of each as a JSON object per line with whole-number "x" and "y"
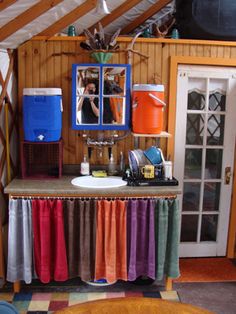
{"x": 100, "y": 96}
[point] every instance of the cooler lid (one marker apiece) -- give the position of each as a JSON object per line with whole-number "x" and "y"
{"x": 148, "y": 87}
{"x": 42, "y": 91}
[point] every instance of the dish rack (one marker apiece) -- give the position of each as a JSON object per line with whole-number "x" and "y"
{"x": 137, "y": 179}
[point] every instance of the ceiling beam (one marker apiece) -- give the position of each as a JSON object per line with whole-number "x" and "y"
{"x": 146, "y": 15}
{"x": 69, "y": 18}
{"x": 26, "y": 17}
{"x": 123, "y": 8}
{"x": 6, "y": 3}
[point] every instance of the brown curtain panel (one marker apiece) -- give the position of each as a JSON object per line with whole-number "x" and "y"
{"x": 80, "y": 234}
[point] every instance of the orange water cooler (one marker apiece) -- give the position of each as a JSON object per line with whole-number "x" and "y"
{"x": 147, "y": 108}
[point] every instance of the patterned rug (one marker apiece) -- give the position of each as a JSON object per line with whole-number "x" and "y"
{"x": 41, "y": 303}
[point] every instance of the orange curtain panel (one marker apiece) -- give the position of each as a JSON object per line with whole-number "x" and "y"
{"x": 111, "y": 249}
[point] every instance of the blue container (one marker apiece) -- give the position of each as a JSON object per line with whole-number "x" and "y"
{"x": 154, "y": 155}
{"x": 42, "y": 114}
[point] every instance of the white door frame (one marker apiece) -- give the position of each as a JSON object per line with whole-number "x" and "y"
{"x": 228, "y": 79}
{"x": 174, "y": 62}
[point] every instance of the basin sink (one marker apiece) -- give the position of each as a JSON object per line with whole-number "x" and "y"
{"x": 98, "y": 183}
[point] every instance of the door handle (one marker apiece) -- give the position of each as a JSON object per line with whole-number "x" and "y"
{"x": 227, "y": 175}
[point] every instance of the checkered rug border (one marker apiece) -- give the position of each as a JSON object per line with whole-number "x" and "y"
{"x": 29, "y": 303}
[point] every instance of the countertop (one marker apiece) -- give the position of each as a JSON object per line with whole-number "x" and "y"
{"x": 63, "y": 187}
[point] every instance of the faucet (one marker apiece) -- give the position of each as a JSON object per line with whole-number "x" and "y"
{"x": 100, "y": 141}
{"x": 93, "y": 142}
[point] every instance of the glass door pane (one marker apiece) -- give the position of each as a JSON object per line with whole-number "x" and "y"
{"x": 195, "y": 128}
{"x": 193, "y": 163}
{"x": 215, "y": 129}
{"x": 191, "y": 196}
{"x": 211, "y": 196}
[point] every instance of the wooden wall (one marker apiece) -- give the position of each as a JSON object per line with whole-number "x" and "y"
{"x": 48, "y": 63}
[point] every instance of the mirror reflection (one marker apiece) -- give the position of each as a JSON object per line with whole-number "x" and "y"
{"x": 87, "y": 100}
{"x": 113, "y": 76}
{"x": 88, "y": 107}
{"x": 100, "y": 94}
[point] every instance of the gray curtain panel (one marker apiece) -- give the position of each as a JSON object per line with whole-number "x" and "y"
{"x": 20, "y": 248}
{"x": 167, "y": 230}
{"x": 80, "y": 234}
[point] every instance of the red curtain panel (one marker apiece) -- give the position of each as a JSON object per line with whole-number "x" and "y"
{"x": 49, "y": 240}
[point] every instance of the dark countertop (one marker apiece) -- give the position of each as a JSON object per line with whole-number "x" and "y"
{"x": 63, "y": 187}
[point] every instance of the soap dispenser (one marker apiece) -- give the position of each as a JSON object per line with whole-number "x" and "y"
{"x": 84, "y": 167}
{"x": 111, "y": 166}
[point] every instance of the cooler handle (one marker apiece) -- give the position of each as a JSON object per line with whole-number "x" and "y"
{"x": 158, "y": 99}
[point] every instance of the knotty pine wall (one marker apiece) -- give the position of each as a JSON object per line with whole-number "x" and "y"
{"x": 48, "y": 63}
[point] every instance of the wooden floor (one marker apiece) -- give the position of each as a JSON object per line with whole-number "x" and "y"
{"x": 207, "y": 270}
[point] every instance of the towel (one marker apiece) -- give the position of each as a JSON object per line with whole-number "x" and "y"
{"x": 141, "y": 239}
{"x": 20, "y": 248}
{"x": 167, "y": 238}
{"x": 80, "y": 233}
{"x": 111, "y": 250}
{"x": 49, "y": 240}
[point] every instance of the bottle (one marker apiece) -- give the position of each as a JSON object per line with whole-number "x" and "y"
{"x": 167, "y": 170}
{"x": 71, "y": 31}
{"x": 175, "y": 33}
{"x": 84, "y": 167}
{"x": 121, "y": 162}
{"x": 111, "y": 166}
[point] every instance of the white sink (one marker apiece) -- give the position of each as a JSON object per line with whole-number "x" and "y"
{"x": 98, "y": 183}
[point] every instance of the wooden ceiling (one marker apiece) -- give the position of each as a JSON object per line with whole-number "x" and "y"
{"x": 43, "y": 6}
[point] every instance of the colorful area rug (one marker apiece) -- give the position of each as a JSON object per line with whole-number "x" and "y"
{"x": 49, "y": 302}
{"x": 207, "y": 270}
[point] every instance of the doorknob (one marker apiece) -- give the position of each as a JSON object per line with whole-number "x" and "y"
{"x": 227, "y": 175}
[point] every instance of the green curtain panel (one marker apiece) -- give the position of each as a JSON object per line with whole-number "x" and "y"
{"x": 167, "y": 238}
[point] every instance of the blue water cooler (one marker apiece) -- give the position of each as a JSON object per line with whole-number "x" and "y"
{"x": 42, "y": 114}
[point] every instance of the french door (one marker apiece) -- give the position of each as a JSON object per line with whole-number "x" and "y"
{"x": 204, "y": 155}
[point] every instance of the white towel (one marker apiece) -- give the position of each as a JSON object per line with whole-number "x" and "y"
{"x": 20, "y": 249}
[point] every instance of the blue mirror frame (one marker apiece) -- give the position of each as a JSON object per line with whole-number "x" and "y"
{"x": 101, "y": 96}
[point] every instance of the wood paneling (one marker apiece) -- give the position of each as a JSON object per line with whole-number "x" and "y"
{"x": 40, "y": 67}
